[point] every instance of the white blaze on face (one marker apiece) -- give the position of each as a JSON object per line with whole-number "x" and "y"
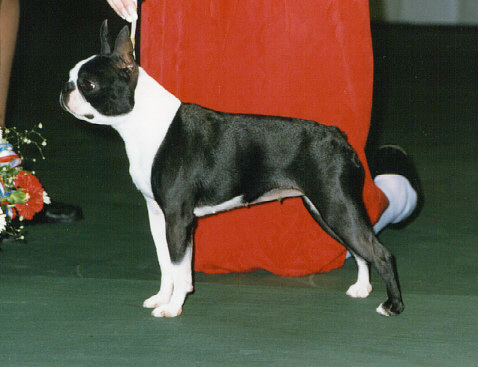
{"x": 76, "y": 103}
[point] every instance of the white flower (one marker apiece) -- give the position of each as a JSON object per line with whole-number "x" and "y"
{"x": 40, "y": 126}
{"x": 3, "y": 221}
{"x": 46, "y": 198}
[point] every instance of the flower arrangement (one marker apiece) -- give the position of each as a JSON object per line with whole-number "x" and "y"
{"x": 21, "y": 193}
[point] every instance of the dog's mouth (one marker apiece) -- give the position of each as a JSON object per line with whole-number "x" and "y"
{"x": 63, "y": 102}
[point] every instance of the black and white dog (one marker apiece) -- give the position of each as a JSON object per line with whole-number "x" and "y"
{"x": 189, "y": 161}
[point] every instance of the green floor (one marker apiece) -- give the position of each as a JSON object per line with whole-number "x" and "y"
{"x": 71, "y": 295}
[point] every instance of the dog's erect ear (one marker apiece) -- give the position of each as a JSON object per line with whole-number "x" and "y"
{"x": 105, "y": 38}
{"x": 124, "y": 50}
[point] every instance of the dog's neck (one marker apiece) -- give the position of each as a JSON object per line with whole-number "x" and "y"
{"x": 152, "y": 113}
{"x": 145, "y": 127}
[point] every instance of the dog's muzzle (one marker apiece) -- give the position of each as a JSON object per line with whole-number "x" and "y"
{"x": 66, "y": 101}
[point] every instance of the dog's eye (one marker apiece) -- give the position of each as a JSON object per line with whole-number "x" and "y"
{"x": 87, "y": 85}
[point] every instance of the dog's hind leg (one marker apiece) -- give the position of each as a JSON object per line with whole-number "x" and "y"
{"x": 345, "y": 220}
{"x": 362, "y": 287}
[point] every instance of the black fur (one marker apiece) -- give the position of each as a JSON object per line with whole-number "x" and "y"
{"x": 226, "y": 155}
{"x": 109, "y": 96}
{"x": 209, "y": 157}
{"x": 108, "y": 81}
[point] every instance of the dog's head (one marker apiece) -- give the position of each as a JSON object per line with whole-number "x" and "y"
{"x": 101, "y": 88}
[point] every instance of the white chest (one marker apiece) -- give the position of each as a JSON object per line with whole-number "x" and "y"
{"x": 141, "y": 157}
{"x": 144, "y": 129}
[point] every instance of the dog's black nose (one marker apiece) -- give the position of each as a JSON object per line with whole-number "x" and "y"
{"x": 68, "y": 87}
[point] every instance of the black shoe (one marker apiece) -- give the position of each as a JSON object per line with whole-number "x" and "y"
{"x": 392, "y": 159}
{"x": 57, "y": 213}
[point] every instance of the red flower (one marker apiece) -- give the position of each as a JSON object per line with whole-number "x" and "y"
{"x": 32, "y": 187}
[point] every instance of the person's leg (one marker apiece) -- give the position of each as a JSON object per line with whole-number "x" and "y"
{"x": 395, "y": 174}
{"x": 9, "y": 18}
{"x": 401, "y": 196}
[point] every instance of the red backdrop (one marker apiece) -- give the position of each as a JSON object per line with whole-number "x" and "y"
{"x": 309, "y": 59}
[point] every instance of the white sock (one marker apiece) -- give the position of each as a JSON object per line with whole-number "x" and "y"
{"x": 401, "y": 196}
{"x": 402, "y": 200}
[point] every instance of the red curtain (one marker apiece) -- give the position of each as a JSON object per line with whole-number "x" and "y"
{"x": 309, "y": 59}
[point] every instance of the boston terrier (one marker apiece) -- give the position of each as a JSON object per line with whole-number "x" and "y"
{"x": 189, "y": 161}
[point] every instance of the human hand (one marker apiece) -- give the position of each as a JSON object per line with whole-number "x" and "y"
{"x": 126, "y": 9}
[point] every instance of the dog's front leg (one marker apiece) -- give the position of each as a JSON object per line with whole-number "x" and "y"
{"x": 175, "y": 259}
{"x": 182, "y": 285}
{"x": 158, "y": 231}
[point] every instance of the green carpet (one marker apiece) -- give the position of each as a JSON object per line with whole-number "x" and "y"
{"x": 71, "y": 294}
{"x": 58, "y": 321}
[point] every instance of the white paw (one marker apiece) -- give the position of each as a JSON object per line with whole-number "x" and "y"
{"x": 382, "y": 311}
{"x": 156, "y": 301}
{"x": 168, "y": 310}
{"x": 359, "y": 290}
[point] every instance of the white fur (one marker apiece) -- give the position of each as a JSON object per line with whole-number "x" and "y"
{"x": 182, "y": 285}
{"x": 234, "y": 203}
{"x": 77, "y": 104}
{"x": 238, "y": 202}
{"x": 176, "y": 280}
{"x": 362, "y": 288}
{"x": 278, "y": 194}
{"x": 158, "y": 227}
{"x": 143, "y": 130}
{"x": 381, "y": 310}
